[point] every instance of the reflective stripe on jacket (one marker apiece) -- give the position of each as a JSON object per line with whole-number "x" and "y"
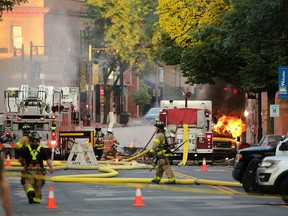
{"x": 159, "y": 143}
{"x": 34, "y": 152}
{"x": 23, "y": 141}
{"x": 108, "y": 141}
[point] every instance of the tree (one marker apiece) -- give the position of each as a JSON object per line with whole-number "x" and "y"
{"x": 129, "y": 35}
{"x": 227, "y": 41}
{"x": 8, "y": 5}
{"x": 141, "y": 97}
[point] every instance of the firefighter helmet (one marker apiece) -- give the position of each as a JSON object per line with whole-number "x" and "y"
{"x": 26, "y": 128}
{"x": 34, "y": 136}
{"x": 98, "y": 129}
{"x": 109, "y": 130}
{"x": 159, "y": 124}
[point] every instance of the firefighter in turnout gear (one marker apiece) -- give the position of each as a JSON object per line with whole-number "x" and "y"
{"x": 110, "y": 144}
{"x": 99, "y": 147}
{"x": 162, "y": 152}
{"x": 34, "y": 172}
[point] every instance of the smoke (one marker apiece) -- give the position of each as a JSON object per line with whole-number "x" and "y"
{"x": 226, "y": 98}
{"x": 52, "y": 49}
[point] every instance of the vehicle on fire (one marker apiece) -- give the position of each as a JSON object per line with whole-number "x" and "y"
{"x": 224, "y": 146}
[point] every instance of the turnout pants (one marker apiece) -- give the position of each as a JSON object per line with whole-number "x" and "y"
{"x": 164, "y": 166}
{"x": 33, "y": 180}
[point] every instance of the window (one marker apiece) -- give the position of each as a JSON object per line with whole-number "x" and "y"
{"x": 17, "y": 37}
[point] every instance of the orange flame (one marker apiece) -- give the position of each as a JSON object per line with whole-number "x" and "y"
{"x": 230, "y": 124}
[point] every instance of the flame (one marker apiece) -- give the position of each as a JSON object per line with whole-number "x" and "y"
{"x": 131, "y": 145}
{"x": 230, "y": 124}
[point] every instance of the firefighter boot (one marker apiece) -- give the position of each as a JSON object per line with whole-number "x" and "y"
{"x": 155, "y": 181}
{"x": 30, "y": 196}
{"x": 171, "y": 180}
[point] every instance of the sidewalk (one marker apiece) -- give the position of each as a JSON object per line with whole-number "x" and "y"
{"x": 132, "y": 122}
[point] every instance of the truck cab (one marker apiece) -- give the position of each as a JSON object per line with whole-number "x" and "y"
{"x": 224, "y": 146}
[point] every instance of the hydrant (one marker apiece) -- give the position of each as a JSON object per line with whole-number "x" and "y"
{"x": 85, "y": 121}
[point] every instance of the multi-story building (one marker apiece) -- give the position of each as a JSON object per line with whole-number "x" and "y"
{"x": 41, "y": 43}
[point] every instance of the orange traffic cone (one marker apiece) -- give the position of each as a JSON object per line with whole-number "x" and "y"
{"x": 116, "y": 163}
{"x": 204, "y": 167}
{"x": 138, "y": 198}
{"x": 8, "y": 163}
{"x": 51, "y": 200}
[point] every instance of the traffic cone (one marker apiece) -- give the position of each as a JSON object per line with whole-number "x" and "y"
{"x": 116, "y": 163}
{"x": 51, "y": 200}
{"x": 8, "y": 162}
{"x": 138, "y": 198}
{"x": 204, "y": 167}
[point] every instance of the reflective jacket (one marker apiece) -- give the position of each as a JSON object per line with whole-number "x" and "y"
{"x": 32, "y": 151}
{"x": 109, "y": 141}
{"x": 160, "y": 146}
{"x": 99, "y": 140}
{"x": 23, "y": 141}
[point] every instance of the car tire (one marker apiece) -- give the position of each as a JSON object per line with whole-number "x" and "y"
{"x": 249, "y": 182}
{"x": 284, "y": 190}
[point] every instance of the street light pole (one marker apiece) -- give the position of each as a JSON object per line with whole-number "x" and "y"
{"x": 89, "y": 90}
{"x": 157, "y": 86}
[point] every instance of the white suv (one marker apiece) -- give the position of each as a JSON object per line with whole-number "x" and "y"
{"x": 272, "y": 176}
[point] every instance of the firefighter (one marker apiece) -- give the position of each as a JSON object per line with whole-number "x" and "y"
{"x": 110, "y": 144}
{"x": 98, "y": 149}
{"x": 34, "y": 172}
{"x": 162, "y": 153}
{"x": 24, "y": 140}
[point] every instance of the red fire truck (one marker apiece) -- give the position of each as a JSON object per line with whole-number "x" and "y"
{"x": 46, "y": 109}
{"x": 189, "y": 127}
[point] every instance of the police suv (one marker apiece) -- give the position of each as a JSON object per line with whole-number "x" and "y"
{"x": 272, "y": 175}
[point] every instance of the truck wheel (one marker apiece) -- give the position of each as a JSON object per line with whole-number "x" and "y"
{"x": 284, "y": 190}
{"x": 249, "y": 178}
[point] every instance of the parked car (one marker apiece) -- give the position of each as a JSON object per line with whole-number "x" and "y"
{"x": 270, "y": 140}
{"x": 152, "y": 114}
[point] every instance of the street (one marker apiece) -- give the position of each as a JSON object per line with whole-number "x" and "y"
{"x": 118, "y": 199}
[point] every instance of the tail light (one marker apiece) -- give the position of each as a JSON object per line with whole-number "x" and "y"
{"x": 209, "y": 138}
{"x": 19, "y": 118}
{"x": 53, "y": 138}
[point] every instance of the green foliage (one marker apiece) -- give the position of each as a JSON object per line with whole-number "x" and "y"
{"x": 226, "y": 40}
{"x": 128, "y": 26}
{"x": 141, "y": 97}
{"x": 8, "y": 5}
{"x": 241, "y": 42}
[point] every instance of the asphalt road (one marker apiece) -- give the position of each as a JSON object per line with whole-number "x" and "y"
{"x": 137, "y": 134}
{"x": 99, "y": 199}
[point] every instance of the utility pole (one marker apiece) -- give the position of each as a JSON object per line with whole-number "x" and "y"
{"x": 259, "y": 116}
{"x": 121, "y": 92}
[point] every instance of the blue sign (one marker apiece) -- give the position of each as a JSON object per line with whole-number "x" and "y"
{"x": 282, "y": 82}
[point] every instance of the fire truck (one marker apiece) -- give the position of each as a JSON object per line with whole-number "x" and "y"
{"x": 46, "y": 109}
{"x": 189, "y": 126}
